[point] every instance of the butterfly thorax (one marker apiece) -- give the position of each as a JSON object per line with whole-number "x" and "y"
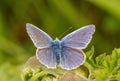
{"x": 56, "y": 47}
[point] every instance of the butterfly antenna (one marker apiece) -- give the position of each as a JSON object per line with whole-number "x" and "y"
{"x": 65, "y": 32}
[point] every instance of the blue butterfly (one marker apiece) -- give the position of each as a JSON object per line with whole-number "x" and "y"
{"x": 66, "y": 53}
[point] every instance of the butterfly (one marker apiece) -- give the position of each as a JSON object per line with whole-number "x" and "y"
{"x": 66, "y": 53}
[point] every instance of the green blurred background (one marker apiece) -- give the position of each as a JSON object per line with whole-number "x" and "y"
{"x": 54, "y": 17}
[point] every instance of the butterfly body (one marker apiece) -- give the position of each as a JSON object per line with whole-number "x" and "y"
{"x": 56, "y": 48}
{"x": 67, "y": 52}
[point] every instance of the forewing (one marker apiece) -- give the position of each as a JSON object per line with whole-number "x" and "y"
{"x": 39, "y": 37}
{"x": 71, "y": 58}
{"x": 79, "y": 38}
{"x": 46, "y": 57}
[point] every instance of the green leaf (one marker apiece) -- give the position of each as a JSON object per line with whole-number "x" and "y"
{"x": 89, "y": 61}
{"x": 114, "y": 59}
{"x": 82, "y": 71}
{"x": 27, "y": 74}
{"x": 100, "y": 59}
{"x": 100, "y": 75}
{"x": 90, "y": 53}
{"x": 109, "y": 67}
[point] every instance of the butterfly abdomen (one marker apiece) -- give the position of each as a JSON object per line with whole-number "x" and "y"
{"x": 56, "y": 47}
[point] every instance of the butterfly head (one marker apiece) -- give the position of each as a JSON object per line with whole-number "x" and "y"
{"x": 56, "y": 42}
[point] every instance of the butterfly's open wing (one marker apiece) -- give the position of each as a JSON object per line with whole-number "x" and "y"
{"x": 39, "y": 37}
{"x": 46, "y": 57}
{"x": 79, "y": 38}
{"x": 71, "y": 58}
